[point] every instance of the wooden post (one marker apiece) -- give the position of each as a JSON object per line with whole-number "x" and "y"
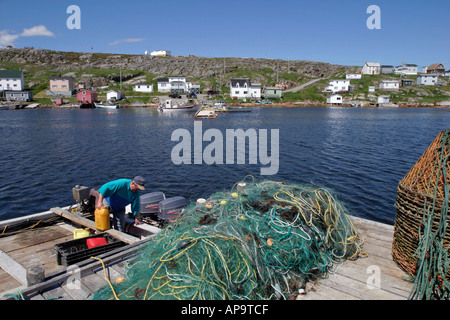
{"x": 35, "y": 275}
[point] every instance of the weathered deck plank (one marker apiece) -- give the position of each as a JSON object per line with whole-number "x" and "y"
{"x": 30, "y": 248}
{"x": 355, "y": 278}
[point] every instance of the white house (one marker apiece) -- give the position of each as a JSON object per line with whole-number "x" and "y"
{"x": 335, "y": 86}
{"x": 255, "y": 90}
{"x": 113, "y": 95}
{"x": 427, "y": 79}
{"x": 174, "y": 84}
{"x": 334, "y": 99}
{"x": 244, "y": 89}
{"x": 371, "y": 68}
{"x": 11, "y": 80}
{"x": 161, "y": 53}
{"x": 143, "y": 87}
{"x": 389, "y": 85}
{"x": 407, "y": 69}
{"x": 371, "y": 88}
{"x": 352, "y": 76}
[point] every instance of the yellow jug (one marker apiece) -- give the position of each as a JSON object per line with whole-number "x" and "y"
{"x": 102, "y": 219}
{"x": 81, "y": 233}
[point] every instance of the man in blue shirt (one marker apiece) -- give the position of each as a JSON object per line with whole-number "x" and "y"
{"x": 117, "y": 195}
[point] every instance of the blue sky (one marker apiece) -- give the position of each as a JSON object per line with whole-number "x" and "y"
{"x": 325, "y": 30}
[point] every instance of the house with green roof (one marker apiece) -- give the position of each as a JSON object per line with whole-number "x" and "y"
{"x": 11, "y": 80}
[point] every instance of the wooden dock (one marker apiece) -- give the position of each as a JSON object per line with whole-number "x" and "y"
{"x": 372, "y": 278}
{"x": 376, "y": 277}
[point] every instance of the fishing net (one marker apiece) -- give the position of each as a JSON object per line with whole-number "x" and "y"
{"x": 421, "y": 240}
{"x": 261, "y": 240}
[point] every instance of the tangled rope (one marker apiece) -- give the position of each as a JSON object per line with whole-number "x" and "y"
{"x": 261, "y": 240}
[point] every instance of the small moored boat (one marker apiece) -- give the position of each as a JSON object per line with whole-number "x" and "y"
{"x": 170, "y": 106}
{"x": 107, "y": 105}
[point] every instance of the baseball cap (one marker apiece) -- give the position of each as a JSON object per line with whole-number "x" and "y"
{"x": 140, "y": 182}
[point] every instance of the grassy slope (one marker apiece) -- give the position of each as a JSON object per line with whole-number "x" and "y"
{"x": 38, "y": 76}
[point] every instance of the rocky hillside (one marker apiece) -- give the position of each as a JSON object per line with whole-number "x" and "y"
{"x": 217, "y": 71}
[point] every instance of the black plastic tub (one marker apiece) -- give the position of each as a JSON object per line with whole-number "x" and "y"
{"x": 73, "y": 251}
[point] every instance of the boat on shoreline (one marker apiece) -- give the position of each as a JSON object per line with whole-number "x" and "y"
{"x": 48, "y": 245}
{"x": 107, "y": 105}
{"x": 221, "y": 106}
{"x": 169, "y": 105}
{"x": 239, "y": 109}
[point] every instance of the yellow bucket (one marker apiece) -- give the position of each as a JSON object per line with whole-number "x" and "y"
{"x": 81, "y": 233}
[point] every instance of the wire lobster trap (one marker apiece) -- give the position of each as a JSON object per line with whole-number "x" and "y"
{"x": 420, "y": 229}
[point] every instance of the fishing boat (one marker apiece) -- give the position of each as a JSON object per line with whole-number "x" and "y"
{"x": 169, "y": 105}
{"x": 220, "y": 106}
{"x": 238, "y": 109}
{"x": 107, "y": 105}
{"x": 49, "y": 247}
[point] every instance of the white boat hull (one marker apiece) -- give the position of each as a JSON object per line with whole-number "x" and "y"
{"x": 107, "y": 106}
{"x": 179, "y": 108}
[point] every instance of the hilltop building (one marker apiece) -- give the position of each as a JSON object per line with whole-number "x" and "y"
{"x": 387, "y": 69}
{"x": 389, "y": 85}
{"x": 161, "y": 53}
{"x": 436, "y": 68}
{"x": 338, "y": 86}
{"x": 427, "y": 79}
{"x": 371, "y": 68}
{"x": 407, "y": 69}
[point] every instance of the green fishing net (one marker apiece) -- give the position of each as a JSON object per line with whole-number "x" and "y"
{"x": 259, "y": 240}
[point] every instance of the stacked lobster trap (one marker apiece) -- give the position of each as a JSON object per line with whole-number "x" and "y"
{"x": 421, "y": 239}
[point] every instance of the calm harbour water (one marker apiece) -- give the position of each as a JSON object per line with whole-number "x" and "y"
{"x": 360, "y": 153}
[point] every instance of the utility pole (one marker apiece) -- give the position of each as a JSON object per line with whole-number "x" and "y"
{"x": 90, "y": 59}
{"x": 120, "y": 80}
{"x": 277, "y": 72}
{"x": 224, "y": 72}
